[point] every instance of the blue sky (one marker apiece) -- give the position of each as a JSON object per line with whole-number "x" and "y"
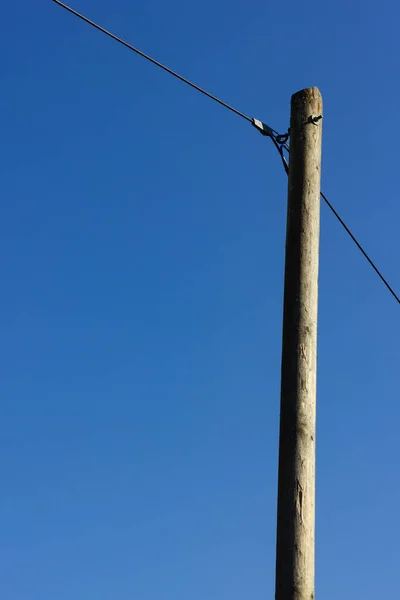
{"x": 142, "y": 243}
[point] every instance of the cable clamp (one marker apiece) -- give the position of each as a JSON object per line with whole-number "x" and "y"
{"x": 263, "y": 128}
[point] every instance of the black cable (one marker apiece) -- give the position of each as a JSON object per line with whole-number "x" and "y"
{"x": 357, "y": 243}
{"x": 280, "y": 150}
{"x": 285, "y": 146}
{"x": 152, "y": 60}
{"x": 280, "y": 142}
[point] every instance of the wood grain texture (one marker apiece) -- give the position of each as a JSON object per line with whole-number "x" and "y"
{"x": 296, "y": 478}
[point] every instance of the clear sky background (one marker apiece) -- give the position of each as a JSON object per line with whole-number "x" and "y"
{"x": 142, "y": 247}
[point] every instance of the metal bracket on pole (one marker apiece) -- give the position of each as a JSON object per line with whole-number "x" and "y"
{"x": 263, "y": 128}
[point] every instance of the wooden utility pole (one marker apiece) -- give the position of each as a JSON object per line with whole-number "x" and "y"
{"x": 296, "y": 479}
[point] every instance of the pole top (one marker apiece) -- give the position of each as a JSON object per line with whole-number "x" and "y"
{"x": 310, "y": 98}
{"x": 311, "y": 93}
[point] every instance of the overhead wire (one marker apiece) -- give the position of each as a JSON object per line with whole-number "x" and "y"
{"x": 286, "y": 147}
{"x": 272, "y": 133}
{"x": 280, "y": 148}
{"x": 153, "y": 61}
{"x": 357, "y": 243}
